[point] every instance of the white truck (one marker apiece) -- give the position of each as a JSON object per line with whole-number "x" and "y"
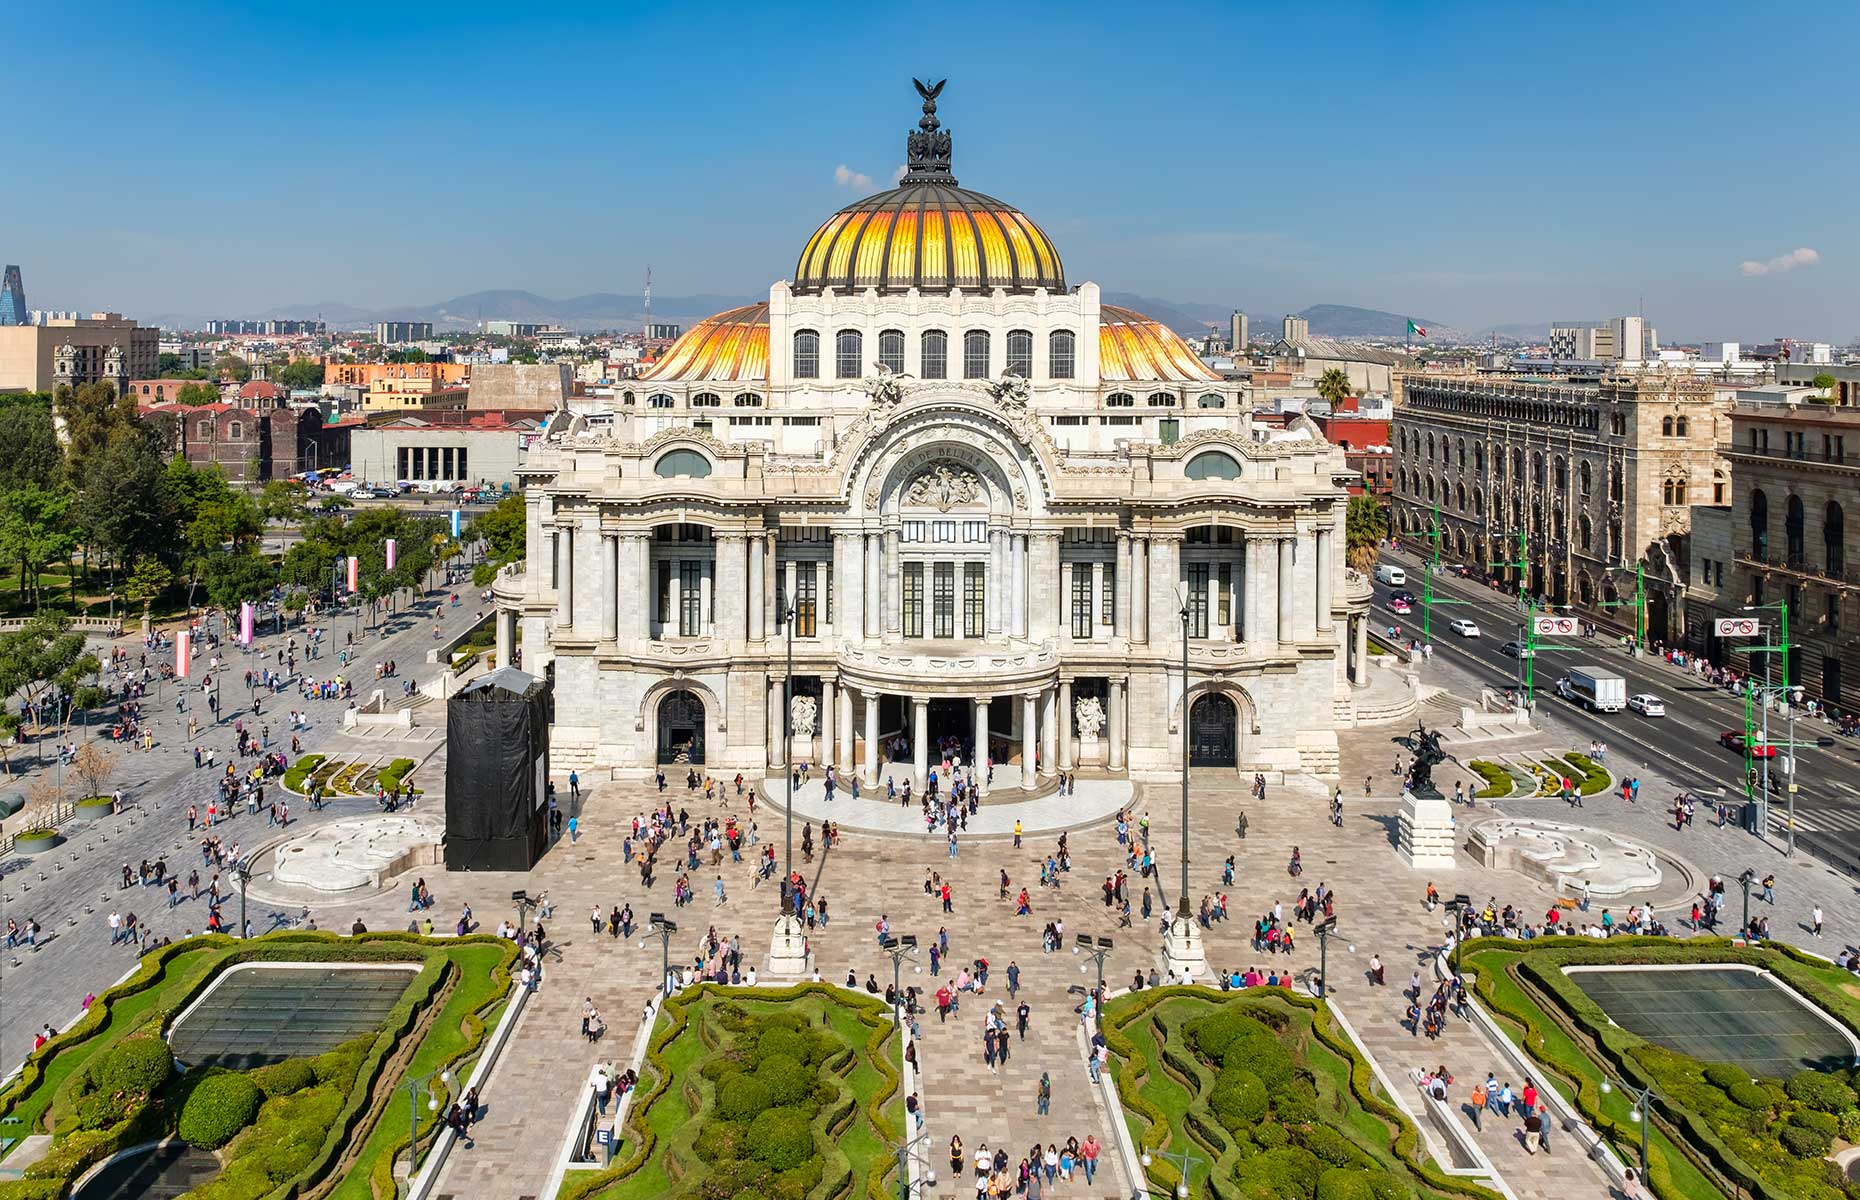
{"x": 1593, "y": 688}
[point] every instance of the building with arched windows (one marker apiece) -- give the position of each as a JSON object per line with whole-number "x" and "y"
{"x": 975, "y": 502}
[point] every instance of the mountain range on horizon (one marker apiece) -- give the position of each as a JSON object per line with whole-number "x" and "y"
{"x": 612, "y": 310}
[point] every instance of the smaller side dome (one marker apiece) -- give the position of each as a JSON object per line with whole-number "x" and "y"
{"x": 1134, "y": 347}
{"x": 729, "y": 347}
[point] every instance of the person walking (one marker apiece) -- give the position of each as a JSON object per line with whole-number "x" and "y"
{"x": 1476, "y": 1103}
{"x": 1817, "y": 919}
{"x": 1044, "y": 1104}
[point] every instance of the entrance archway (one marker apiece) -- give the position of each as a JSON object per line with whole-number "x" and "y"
{"x": 681, "y": 729}
{"x": 1213, "y": 732}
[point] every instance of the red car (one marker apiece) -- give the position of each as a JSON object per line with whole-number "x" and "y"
{"x": 1733, "y": 739}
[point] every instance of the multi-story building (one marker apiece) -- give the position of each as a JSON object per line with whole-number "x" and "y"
{"x": 1599, "y": 476}
{"x": 255, "y": 438}
{"x": 447, "y": 448}
{"x": 100, "y": 348}
{"x": 1364, "y": 440}
{"x": 391, "y": 394}
{"x": 390, "y": 333}
{"x": 1622, "y": 339}
{"x": 12, "y": 298}
{"x": 519, "y": 329}
{"x": 1294, "y": 330}
{"x": 976, "y": 502}
{"x": 363, "y": 375}
{"x": 1237, "y": 333}
{"x": 1795, "y": 465}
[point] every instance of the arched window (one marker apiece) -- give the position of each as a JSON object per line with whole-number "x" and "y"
{"x": 848, "y": 354}
{"x": 1211, "y": 400}
{"x": 747, "y": 400}
{"x": 1834, "y": 538}
{"x": 891, "y": 350}
{"x": 1498, "y": 466}
{"x": 1666, "y": 427}
{"x": 1585, "y": 590}
{"x": 1614, "y": 481}
{"x": 1459, "y": 497}
{"x": 1019, "y": 354}
{"x": 1478, "y": 503}
{"x": 1212, "y": 465}
{"x": 935, "y": 347}
{"x": 1717, "y": 487}
{"x": 1479, "y": 457}
{"x": 1459, "y": 445}
{"x": 205, "y": 430}
{"x": 975, "y": 354}
{"x": 1759, "y": 525}
{"x": 1679, "y": 427}
{"x": 1562, "y": 474}
{"x": 1537, "y": 468}
{"x": 1794, "y": 524}
{"x": 1161, "y": 400}
{"x": 659, "y": 400}
{"x": 1119, "y": 400}
{"x": 1614, "y": 539}
{"x": 1584, "y": 479}
{"x": 681, "y": 464}
{"x": 234, "y": 431}
{"x": 1430, "y": 447}
{"x": 806, "y": 354}
{"x": 1061, "y": 353}
{"x": 626, "y": 398}
{"x": 1517, "y": 463}
{"x": 1430, "y": 489}
{"x": 707, "y": 400}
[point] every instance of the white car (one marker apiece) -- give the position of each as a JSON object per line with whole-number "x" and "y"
{"x": 1647, "y": 705}
{"x": 1464, "y": 628}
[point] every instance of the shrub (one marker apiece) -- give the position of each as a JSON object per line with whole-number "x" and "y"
{"x": 1817, "y": 1090}
{"x": 281, "y": 1079}
{"x": 720, "y": 1141}
{"x": 1238, "y": 1098}
{"x": 780, "y": 1137}
{"x": 795, "y": 1044}
{"x": 1289, "y": 1172}
{"x": 1849, "y": 1126}
{"x": 1330, "y": 1146}
{"x": 1746, "y": 1094}
{"x": 1211, "y": 1034}
{"x": 1724, "y": 1076}
{"x": 1295, "y": 1103}
{"x": 787, "y": 1080}
{"x": 1820, "y": 1122}
{"x": 134, "y": 1066}
{"x": 1262, "y": 1053}
{"x": 1271, "y": 1137}
{"x": 741, "y": 1097}
{"x": 1497, "y": 779}
{"x": 219, "y": 1107}
{"x": 1342, "y": 1183}
{"x": 1802, "y": 1141}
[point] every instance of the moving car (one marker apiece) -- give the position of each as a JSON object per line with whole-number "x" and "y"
{"x": 1390, "y": 574}
{"x": 1733, "y": 739}
{"x": 1516, "y": 649}
{"x": 1647, "y": 705}
{"x": 1465, "y": 628}
{"x": 1400, "y": 606}
{"x": 1403, "y": 595}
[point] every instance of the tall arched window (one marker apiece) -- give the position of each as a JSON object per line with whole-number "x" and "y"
{"x": 935, "y": 347}
{"x": 1834, "y": 538}
{"x": 1459, "y": 444}
{"x": 1459, "y": 497}
{"x": 1062, "y": 353}
{"x": 848, "y": 354}
{"x": 1584, "y": 479}
{"x": 1537, "y": 468}
{"x": 1019, "y": 354}
{"x": 806, "y": 354}
{"x": 707, "y": 400}
{"x": 1759, "y": 525}
{"x": 1585, "y": 532}
{"x": 975, "y": 354}
{"x": 1666, "y": 427}
{"x": 1717, "y": 487}
{"x": 1562, "y": 474}
{"x": 1119, "y": 400}
{"x": 1794, "y": 527}
{"x": 1614, "y": 481}
{"x": 1479, "y": 457}
{"x": 891, "y": 350}
{"x": 1679, "y": 427}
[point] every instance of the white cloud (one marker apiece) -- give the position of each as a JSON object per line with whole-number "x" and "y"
{"x": 1801, "y": 256}
{"x": 844, "y": 176}
{"x": 899, "y": 174}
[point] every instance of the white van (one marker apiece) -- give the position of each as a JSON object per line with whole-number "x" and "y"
{"x": 1390, "y": 574}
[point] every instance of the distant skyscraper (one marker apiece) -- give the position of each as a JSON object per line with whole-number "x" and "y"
{"x": 1236, "y": 333}
{"x": 12, "y": 298}
{"x": 1296, "y": 330}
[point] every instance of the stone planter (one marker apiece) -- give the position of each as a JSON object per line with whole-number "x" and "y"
{"x": 11, "y": 803}
{"x": 37, "y": 841}
{"x": 93, "y": 808}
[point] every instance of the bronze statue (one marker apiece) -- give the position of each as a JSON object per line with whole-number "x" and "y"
{"x": 1424, "y": 744}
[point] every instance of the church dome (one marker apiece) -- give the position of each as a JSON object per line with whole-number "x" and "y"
{"x": 928, "y": 233}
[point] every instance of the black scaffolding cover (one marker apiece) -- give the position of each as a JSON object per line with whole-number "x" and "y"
{"x": 497, "y": 768}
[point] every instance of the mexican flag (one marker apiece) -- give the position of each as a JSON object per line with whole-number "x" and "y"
{"x": 1415, "y": 330}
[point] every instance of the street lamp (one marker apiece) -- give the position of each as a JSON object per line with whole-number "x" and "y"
{"x": 657, "y": 924}
{"x": 903, "y": 1147}
{"x": 1182, "y": 949}
{"x": 1098, "y": 949}
{"x": 1640, "y": 1114}
{"x": 1458, "y": 906}
{"x": 1746, "y": 879}
{"x": 1325, "y": 929}
{"x": 787, "y": 746}
{"x": 899, "y": 949}
{"x": 414, "y": 1087}
{"x": 242, "y": 874}
{"x": 1181, "y": 1160}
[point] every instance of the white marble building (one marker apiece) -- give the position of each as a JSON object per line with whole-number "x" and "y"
{"x": 992, "y": 504}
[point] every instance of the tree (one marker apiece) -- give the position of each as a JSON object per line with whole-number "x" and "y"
{"x": 147, "y": 582}
{"x": 504, "y": 531}
{"x": 231, "y": 366}
{"x": 124, "y": 507}
{"x": 198, "y": 393}
{"x": 284, "y": 501}
{"x": 1334, "y": 386}
{"x": 41, "y": 659}
{"x": 92, "y": 767}
{"x": 31, "y": 441}
{"x": 1824, "y": 383}
{"x": 166, "y": 362}
{"x": 301, "y": 374}
{"x": 1365, "y": 523}
{"x": 35, "y": 533}
{"x": 238, "y": 577}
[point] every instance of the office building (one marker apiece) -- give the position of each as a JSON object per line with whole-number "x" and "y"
{"x": 392, "y": 333}
{"x": 100, "y": 348}
{"x": 1236, "y": 333}
{"x": 1295, "y": 330}
{"x": 12, "y": 298}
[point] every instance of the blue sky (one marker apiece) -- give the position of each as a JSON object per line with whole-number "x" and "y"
{"x": 1474, "y": 164}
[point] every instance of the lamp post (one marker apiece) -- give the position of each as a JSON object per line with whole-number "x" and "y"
{"x": 1639, "y": 1114}
{"x": 1182, "y": 949}
{"x": 664, "y": 929}
{"x": 903, "y": 1147}
{"x": 1458, "y": 906}
{"x": 1181, "y": 1160}
{"x": 898, "y": 949}
{"x": 414, "y": 1086}
{"x": 1097, "y": 949}
{"x": 1325, "y": 928}
{"x": 787, "y": 748}
{"x": 1746, "y": 879}
{"x": 242, "y": 874}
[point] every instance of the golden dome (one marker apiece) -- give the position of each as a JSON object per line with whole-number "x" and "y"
{"x": 1134, "y": 347}
{"x": 731, "y": 346}
{"x": 928, "y": 233}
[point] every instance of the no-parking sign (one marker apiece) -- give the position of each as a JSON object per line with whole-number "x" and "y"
{"x": 1554, "y": 626}
{"x": 1736, "y": 627}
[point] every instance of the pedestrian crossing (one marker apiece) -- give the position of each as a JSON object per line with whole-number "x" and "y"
{"x": 1819, "y": 820}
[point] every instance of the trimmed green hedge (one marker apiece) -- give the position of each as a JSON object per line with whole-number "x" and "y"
{"x": 391, "y": 775}
{"x": 299, "y": 771}
{"x": 1594, "y": 777}
{"x": 1497, "y": 780}
{"x": 219, "y": 1106}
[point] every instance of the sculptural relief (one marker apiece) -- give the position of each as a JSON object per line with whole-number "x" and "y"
{"x": 803, "y": 711}
{"x": 1088, "y": 712}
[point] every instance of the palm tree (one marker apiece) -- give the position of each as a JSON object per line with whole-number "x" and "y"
{"x": 1365, "y": 523}
{"x": 1334, "y": 386}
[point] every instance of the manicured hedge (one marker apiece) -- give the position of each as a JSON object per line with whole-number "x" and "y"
{"x": 1497, "y": 780}
{"x": 302, "y": 769}
{"x": 219, "y": 1106}
{"x": 1594, "y": 776}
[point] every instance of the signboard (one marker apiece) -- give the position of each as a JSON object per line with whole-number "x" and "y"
{"x": 183, "y": 654}
{"x": 1740, "y": 627}
{"x": 603, "y": 1136}
{"x": 1554, "y": 626}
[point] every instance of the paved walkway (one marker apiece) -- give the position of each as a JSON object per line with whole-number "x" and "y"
{"x": 1093, "y": 800}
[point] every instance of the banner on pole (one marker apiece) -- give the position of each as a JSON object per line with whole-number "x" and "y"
{"x": 1738, "y": 627}
{"x": 392, "y": 553}
{"x": 245, "y": 622}
{"x": 355, "y": 573}
{"x": 455, "y": 524}
{"x": 1554, "y": 626}
{"x": 183, "y": 650}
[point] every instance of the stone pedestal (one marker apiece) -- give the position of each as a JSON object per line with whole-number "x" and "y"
{"x": 1426, "y": 838}
{"x": 788, "y": 953}
{"x": 1092, "y": 752}
{"x": 1183, "y": 951}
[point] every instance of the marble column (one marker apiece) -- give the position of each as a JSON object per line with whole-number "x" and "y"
{"x": 1256, "y": 599}
{"x": 874, "y": 587}
{"x": 645, "y": 591}
{"x": 1139, "y": 589}
{"x": 1324, "y": 569}
{"x": 1164, "y": 578}
{"x": 1063, "y": 610}
{"x": 1065, "y": 725}
{"x": 1049, "y": 730}
{"x": 1114, "y": 720}
{"x": 871, "y": 737}
{"x": 1027, "y": 727}
{"x": 920, "y": 739}
{"x": 1287, "y": 590}
{"x": 755, "y": 550}
{"x": 610, "y": 586}
{"x": 843, "y": 725}
{"x": 894, "y": 584}
{"x": 506, "y": 636}
{"x": 1120, "y": 617}
{"x": 981, "y": 745}
{"x": 777, "y": 726}
{"x": 565, "y": 575}
{"x": 1362, "y": 651}
{"x": 1045, "y": 609}
{"x": 848, "y": 586}
{"x": 1018, "y": 570}
{"x": 997, "y": 584}
{"x": 732, "y": 589}
{"x": 829, "y": 716}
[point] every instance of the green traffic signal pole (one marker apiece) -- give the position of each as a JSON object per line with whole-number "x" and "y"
{"x": 1756, "y": 724}
{"x": 1639, "y": 603}
{"x": 1428, "y": 599}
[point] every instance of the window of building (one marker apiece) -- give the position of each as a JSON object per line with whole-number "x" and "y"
{"x": 935, "y": 348}
{"x": 911, "y": 531}
{"x": 1107, "y": 610}
{"x": 1061, "y": 353}
{"x": 806, "y": 598}
{"x": 1119, "y": 400}
{"x": 891, "y": 350}
{"x": 1212, "y": 465}
{"x": 707, "y": 400}
{"x": 942, "y": 531}
{"x": 690, "y": 598}
{"x": 848, "y": 354}
{"x": 204, "y": 430}
{"x": 1019, "y": 353}
{"x": 626, "y": 398}
{"x": 747, "y": 400}
{"x": 1834, "y": 538}
{"x": 943, "y": 600}
{"x": 912, "y": 617}
{"x": 1125, "y": 419}
{"x": 1794, "y": 529}
{"x": 1459, "y": 445}
{"x": 659, "y": 400}
{"x": 1161, "y": 400}
{"x": 1224, "y": 596}
{"x": 975, "y": 354}
{"x": 1211, "y": 400}
{"x": 1169, "y": 431}
{"x": 1679, "y": 427}
{"x": 234, "y": 431}
{"x": 681, "y": 464}
{"x": 974, "y": 600}
{"x": 1081, "y": 600}
{"x": 1585, "y": 532}
{"x": 1198, "y": 600}
{"x": 1666, "y": 427}
{"x": 975, "y": 531}
{"x": 806, "y": 354}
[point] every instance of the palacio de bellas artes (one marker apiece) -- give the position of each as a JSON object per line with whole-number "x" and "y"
{"x": 970, "y": 502}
